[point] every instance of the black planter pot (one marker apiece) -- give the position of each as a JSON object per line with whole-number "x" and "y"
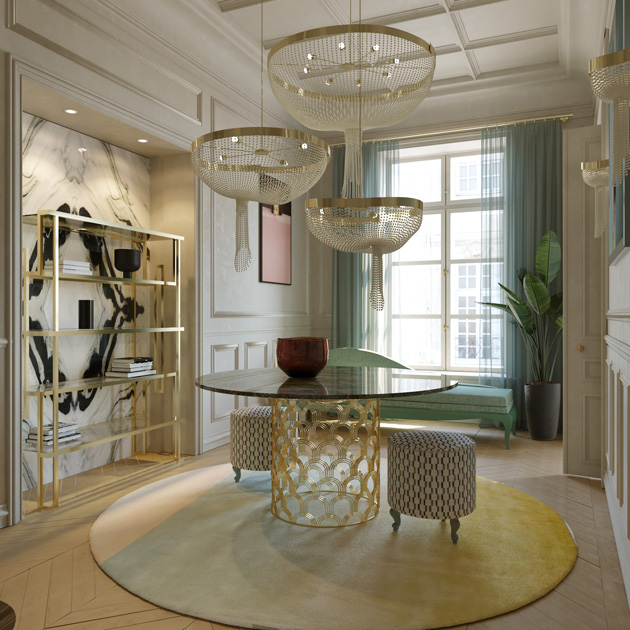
{"x": 542, "y": 408}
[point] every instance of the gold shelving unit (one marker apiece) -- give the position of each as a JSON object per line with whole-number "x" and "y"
{"x": 137, "y": 424}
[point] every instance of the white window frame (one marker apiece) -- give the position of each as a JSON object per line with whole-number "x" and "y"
{"x": 448, "y": 208}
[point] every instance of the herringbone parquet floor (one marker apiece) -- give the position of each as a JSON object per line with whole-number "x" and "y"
{"x": 48, "y": 576}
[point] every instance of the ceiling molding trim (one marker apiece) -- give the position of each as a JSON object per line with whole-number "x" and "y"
{"x": 234, "y": 5}
{"x": 462, "y": 5}
{"x": 99, "y": 103}
{"x": 462, "y": 40}
{"x": 527, "y": 74}
{"x": 405, "y": 16}
{"x": 106, "y": 74}
{"x": 474, "y": 64}
{"x": 186, "y": 58}
{"x": 447, "y": 49}
{"x": 339, "y": 15}
{"x": 509, "y": 38}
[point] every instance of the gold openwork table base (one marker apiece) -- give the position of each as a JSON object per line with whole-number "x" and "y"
{"x": 325, "y": 466}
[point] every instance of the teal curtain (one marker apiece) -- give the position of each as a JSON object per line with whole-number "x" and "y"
{"x": 354, "y": 322}
{"x": 521, "y": 199}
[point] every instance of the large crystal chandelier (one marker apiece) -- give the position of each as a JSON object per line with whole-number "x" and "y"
{"x": 348, "y": 78}
{"x": 595, "y": 174}
{"x": 264, "y": 164}
{"x": 610, "y": 80}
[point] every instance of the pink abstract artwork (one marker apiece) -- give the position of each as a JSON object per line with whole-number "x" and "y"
{"x": 275, "y": 243}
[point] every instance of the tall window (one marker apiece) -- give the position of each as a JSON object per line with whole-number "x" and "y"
{"x": 438, "y": 275}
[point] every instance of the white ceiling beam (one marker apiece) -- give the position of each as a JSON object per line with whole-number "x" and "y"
{"x": 509, "y": 38}
{"x": 233, "y": 5}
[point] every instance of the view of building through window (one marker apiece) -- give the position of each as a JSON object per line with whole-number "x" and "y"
{"x": 438, "y": 276}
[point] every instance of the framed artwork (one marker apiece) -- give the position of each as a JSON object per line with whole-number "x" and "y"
{"x": 275, "y": 243}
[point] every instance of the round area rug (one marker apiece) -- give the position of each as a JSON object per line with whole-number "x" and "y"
{"x": 204, "y": 546}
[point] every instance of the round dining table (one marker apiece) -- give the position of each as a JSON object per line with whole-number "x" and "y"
{"x": 325, "y": 434}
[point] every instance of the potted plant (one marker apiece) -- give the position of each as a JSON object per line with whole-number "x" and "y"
{"x": 539, "y": 320}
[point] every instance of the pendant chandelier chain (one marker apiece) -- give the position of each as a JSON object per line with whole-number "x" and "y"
{"x": 261, "y": 63}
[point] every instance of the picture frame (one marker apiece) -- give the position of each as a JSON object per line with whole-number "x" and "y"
{"x": 275, "y": 243}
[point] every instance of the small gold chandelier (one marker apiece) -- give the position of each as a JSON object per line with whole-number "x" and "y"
{"x": 595, "y": 174}
{"x": 264, "y": 164}
{"x": 369, "y": 225}
{"x": 610, "y": 80}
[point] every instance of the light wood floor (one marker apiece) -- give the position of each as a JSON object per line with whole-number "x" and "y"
{"x": 48, "y": 576}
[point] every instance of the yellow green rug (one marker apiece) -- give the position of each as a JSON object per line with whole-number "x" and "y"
{"x": 204, "y": 546}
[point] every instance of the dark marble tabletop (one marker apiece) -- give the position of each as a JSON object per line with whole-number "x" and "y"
{"x": 332, "y": 383}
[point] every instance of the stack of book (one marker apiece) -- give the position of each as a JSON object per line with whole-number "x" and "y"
{"x": 67, "y": 433}
{"x": 80, "y": 267}
{"x": 130, "y": 367}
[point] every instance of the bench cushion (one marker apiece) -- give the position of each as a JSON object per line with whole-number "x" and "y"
{"x": 479, "y": 398}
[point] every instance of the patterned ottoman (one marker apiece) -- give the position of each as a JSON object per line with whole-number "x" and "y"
{"x": 250, "y": 439}
{"x": 431, "y": 474}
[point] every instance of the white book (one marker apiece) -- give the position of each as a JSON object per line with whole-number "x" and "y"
{"x": 129, "y": 374}
{"x": 49, "y": 441}
{"x": 131, "y": 360}
{"x": 69, "y": 263}
{"x": 136, "y": 367}
{"x": 33, "y": 432}
{"x": 48, "y": 427}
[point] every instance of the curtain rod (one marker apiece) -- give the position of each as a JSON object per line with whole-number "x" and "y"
{"x": 563, "y": 118}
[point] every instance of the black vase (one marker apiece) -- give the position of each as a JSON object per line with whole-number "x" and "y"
{"x": 127, "y": 261}
{"x": 542, "y": 408}
{"x": 86, "y": 314}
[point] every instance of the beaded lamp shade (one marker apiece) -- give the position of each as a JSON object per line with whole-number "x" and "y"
{"x": 610, "y": 80}
{"x": 370, "y": 225}
{"x": 351, "y": 77}
{"x": 263, "y": 164}
{"x": 595, "y": 174}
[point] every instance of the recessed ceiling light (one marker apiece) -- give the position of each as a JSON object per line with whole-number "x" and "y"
{"x": 143, "y": 140}
{"x": 70, "y": 111}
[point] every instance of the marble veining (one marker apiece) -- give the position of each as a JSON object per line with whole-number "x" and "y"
{"x": 332, "y": 383}
{"x": 106, "y": 183}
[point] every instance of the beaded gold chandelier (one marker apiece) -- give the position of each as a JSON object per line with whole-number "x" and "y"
{"x": 265, "y": 164}
{"x": 610, "y": 80}
{"x": 595, "y": 174}
{"x": 369, "y": 225}
{"x": 349, "y": 78}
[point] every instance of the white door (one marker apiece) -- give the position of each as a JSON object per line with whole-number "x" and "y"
{"x": 583, "y": 310}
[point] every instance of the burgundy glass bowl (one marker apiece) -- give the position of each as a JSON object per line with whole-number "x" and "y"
{"x": 302, "y": 357}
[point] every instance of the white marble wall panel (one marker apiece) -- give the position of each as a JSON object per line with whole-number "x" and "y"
{"x": 107, "y": 183}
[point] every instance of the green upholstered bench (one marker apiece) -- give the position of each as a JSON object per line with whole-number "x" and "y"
{"x": 464, "y": 402}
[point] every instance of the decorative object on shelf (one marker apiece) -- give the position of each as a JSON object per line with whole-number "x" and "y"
{"x": 275, "y": 243}
{"x": 127, "y": 261}
{"x": 265, "y": 164}
{"x": 595, "y": 174}
{"x": 610, "y": 80}
{"x": 370, "y": 225}
{"x": 537, "y": 319}
{"x": 351, "y": 77}
{"x": 86, "y": 314}
{"x": 302, "y": 357}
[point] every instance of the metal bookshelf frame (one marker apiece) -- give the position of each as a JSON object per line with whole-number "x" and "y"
{"x": 113, "y": 429}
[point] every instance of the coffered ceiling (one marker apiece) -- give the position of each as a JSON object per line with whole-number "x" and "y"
{"x": 486, "y": 49}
